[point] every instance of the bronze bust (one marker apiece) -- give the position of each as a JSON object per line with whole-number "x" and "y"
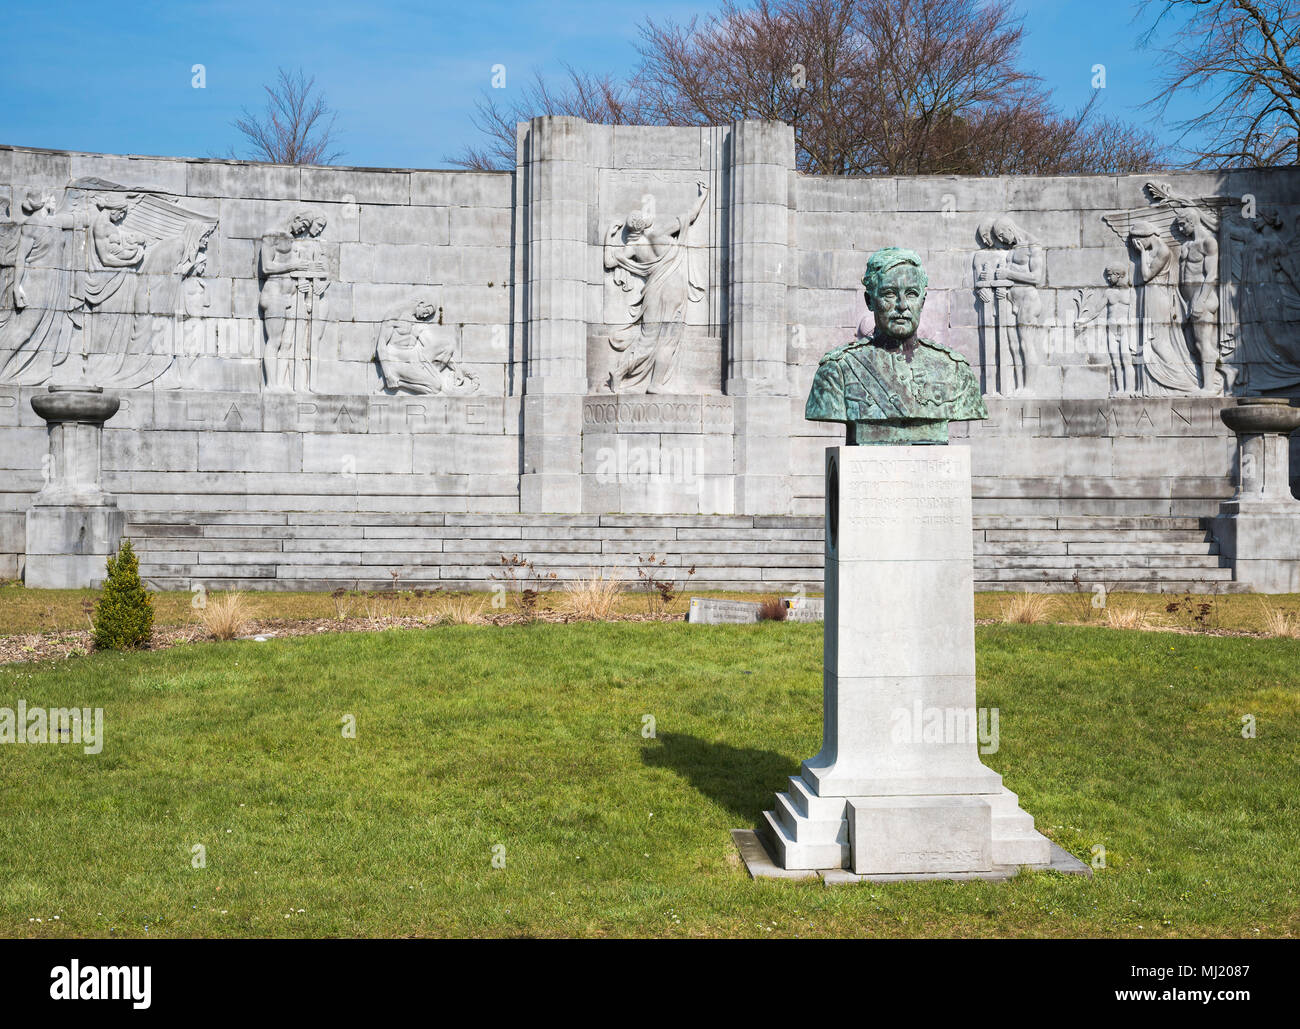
{"x": 894, "y": 387}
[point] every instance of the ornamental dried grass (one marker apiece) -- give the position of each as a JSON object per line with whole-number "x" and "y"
{"x": 225, "y": 617}
{"x": 1026, "y": 608}
{"x": 593, "y": 597}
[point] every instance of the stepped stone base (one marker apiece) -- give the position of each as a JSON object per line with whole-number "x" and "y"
{"x": 808, "y": 832}
{"x": 758, "y": 862}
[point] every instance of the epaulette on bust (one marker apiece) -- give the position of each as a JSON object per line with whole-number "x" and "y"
{"x": 960, "y": 358}
{"x": 837, "y": 353}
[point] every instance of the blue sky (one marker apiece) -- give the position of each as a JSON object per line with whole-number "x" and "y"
{"x": 403, "y": 76}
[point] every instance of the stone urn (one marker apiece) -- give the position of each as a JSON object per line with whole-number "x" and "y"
{"x": 75, "y": 417}
{"x": 73, "y": 525}
{"x": 1258, "y": 530}
{"x": 1263, "y": 426}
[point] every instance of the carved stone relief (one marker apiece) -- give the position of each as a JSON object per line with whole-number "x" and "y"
{"x": 95, "y": 289}
{"x": 295, "y": 277}
{"x": 1010, "y": 269}
{"x": 413, "y": 359}
{"x": 651, "y": 260}
{"x": 1111, "y": 310}
{"x": 1174, "y": 247}
{"x": 1262, "y": 301}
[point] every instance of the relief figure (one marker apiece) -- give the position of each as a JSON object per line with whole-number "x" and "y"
{"x": 658, "y": 255}
{"x": 412, "y": 358}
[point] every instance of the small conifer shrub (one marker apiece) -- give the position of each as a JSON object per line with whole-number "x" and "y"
{"x": 124, "y": 611}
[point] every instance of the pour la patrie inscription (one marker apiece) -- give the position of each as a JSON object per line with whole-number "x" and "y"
{"x": 921, "y": 490}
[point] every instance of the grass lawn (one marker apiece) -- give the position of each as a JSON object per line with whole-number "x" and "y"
{"x": 529, "y": 738}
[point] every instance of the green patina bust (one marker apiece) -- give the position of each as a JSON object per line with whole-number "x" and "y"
{"x": 894, "y": 387}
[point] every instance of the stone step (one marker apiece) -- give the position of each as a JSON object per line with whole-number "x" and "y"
{"x": 1150, "y": 549}
{"x": 1170, "y": 586}
{"x": 986, "y": 574}
{"x": 1118, "y": 522}
{"x": 792, "y": 854}
{"x": 1096, "y": 562}
{"x": 323, "y": 550}
{"x": 1099, "y": 535}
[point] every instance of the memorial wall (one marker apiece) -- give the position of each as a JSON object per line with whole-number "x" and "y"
{"x": 625, "y": 325}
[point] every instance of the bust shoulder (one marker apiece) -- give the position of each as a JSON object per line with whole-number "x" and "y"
{"x": 959, "y": 358}
{"x": 837, "y": 354}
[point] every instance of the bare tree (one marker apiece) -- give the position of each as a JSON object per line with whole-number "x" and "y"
{"x": 869, "y": 86}
{"x": 297, "y": 126}
{"x": 599, "y": 99}
{"x": 1244, "y": 55}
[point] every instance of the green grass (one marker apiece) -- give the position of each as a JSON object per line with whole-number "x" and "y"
{"x": 529, "y": 737}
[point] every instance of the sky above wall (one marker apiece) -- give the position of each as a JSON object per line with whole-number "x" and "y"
{"x": 404, "y": 76}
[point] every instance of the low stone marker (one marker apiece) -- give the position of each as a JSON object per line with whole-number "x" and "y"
{"x": 804, "y": 609}
{"x": 713, "y": 611}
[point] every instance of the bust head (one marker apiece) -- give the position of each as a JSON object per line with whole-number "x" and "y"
{"x": 894, "y": 287}
{"x": 424, "y": 309}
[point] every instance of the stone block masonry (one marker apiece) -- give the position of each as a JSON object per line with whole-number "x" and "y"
{"x": 626, "y": 323}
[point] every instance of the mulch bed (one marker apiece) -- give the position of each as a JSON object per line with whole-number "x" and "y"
{"x": 58, "y": 646}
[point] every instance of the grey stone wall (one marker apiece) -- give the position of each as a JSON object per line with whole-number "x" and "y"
{"x": 626, "y": 323}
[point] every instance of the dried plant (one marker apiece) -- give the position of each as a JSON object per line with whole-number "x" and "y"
{"x": 521, "y": 575}
{"x": 381, "y": 606}
{"x": 772, "y": 609}
{"x": 1281, "y": 623}
{"x": 1127, "y": 618}
{"x": 1026, "y": 608}
{"x": 660, "y": 590}
{"x": 1200, "y": 613}
{"x": 594, "y": 596}
{"x": 459, "y": 609}
{"x": 1088, "y": 599}
{"x": 225, "y": 617}
{"x": 345, "y": 601}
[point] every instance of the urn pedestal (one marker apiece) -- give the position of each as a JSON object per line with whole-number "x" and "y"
{"x": 1258, "y": 530}
{"x": 73, "y": 525}
{"x": 898, "y": 789}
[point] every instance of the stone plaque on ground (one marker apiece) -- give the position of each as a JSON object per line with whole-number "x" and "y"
{"x": 804, "y": 609}
{"x": 713, "y": 611}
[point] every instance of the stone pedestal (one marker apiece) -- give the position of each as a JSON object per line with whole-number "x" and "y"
{"x": 898, "y": 787}
{"x": 73, "y": 526}
{"x": 1258, "y": 530}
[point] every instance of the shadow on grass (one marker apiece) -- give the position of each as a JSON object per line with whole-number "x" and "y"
{"x": 741, "y": 779}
